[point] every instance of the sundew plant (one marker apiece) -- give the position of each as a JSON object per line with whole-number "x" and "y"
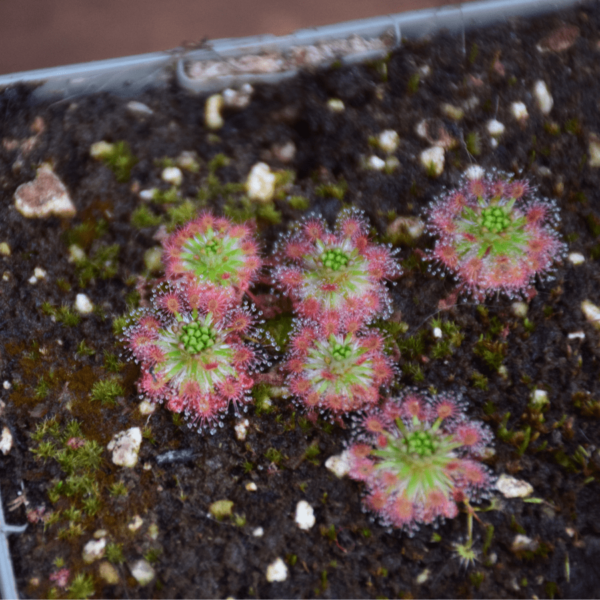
{"x": 213, "y": 251}
{"x": 324, "y": 271}
{"x": 495, "y": 236}
{"x": 419, "y": 456}
{"x": 334, "y": 370}
{"x": 195, "y": 359}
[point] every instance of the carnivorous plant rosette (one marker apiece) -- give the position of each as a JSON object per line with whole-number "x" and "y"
{"x": 215, "y": 251}
{"x": 193, "y": 354}
{"x": 332, "y": 370}
{"x": 494, "y": 236}
{"x": 418, "y": 457}
{"x": 339, "y": 271}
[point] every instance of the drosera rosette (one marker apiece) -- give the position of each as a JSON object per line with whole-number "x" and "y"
{"x": 495, "y": 236}
{"x": 198, "y": 350}
{"x": 419, "y": 456}
{"x": 213, "y": 251}
{"x": 324, "y": 271}
{"x": 336, "y": 366}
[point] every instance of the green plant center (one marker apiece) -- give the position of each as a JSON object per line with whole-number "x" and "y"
{"x": 495, "y": 219}
{"x": 211, "y": 247}
{"x": 340, "y": 352}
{"x": 197, "y": 338}
{"x": 334, "y": 259}
{"x": 421, "y": 443}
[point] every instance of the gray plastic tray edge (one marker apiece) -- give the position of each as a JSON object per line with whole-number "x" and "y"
{"x": 129, "y": 75}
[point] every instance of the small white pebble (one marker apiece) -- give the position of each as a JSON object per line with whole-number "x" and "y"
{"x": 576, "y": 258}
{"x": 453, "y": 112}
{"x": 260, "y": 184}
{"x": 83, "y": 305}
{"x": 543, "y": 96}
{"x": 251, "y": 486}
{"x": 6, "y": 440}
{"x": 258, "y": 532}
{"x": 4, "y": 249}
{"x": 474, "y": 172}
{"x": 305, "y": 515}
{"x": 570, "y": 531}
{"x": 335, "y": 105}
{"x": 39, "y": 273}
{"x": 471, "y": 103}
{"x": 519, "y": 309}
{"x": 172, "y": 175}
{"x": 125, "y": 447}
{"x": 594, "y": 150}
{"x": 147, "y": 466}
{"x": 423, "y": 577}
{"x": 153, "y": 259}
{"x": 101, "y": 149}
{"x": 391, "y": 164}
{"x": 212, "y": 112}
{"x": 135, "y": 523}
{"x": 519, "y": 111}
{"x": 241, "y": 430}
{"x": 375, "y": 163}
{"x": 437, "y": 332}
{"x": 100, "y": 533}
{"x": 510, "y": 487}
{"x": 495, "y": 128}
{"x": 388, "y": 141}
{"x": 523, "y": 543}
{"x": 339, "y": 464}
{"x": 139, "y": 107}
{"x": 147, "y": 194}
{"x": 277, "y": 571}
{"x": 6, "y": 385}
{"x": 33, "y": 280}
{"x": 76, "y": 253}
{"x": 578, "y": 335}
{"x": 237, "y": 98}
{"x": 142, "y": 571}
{"x": 539, "y": 398}
{"x": 591, "y": 313}
{"x": 6, "y": 276}
{"x": 432, "y": 160}
{"x": 146, "y": 408}
{"x": 285, "y": 152}
{"x": 94, "y": 550}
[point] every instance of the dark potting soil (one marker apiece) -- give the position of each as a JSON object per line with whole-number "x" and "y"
{"x": 53, "y": 360}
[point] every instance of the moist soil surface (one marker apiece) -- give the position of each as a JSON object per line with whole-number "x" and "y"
{"x": 53, "y": 359}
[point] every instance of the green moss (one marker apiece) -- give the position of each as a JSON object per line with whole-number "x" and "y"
{"x": 473, "y": 143}
{"x": 63, "y": 285}
{"x": 84, "y": 350}
{"x": 279, "y": 328}
{"x": 103, "y": 264}
{"x": 144, "y": 217}
{"x": 492, "y": 352}
{"x": 479, "y": 381}
{"x": 153, "y": 555}
{"x": 82, "y": 586}
{"x": 311, "y": 453}
{"x": 413, "y": 83}
{"x": 332, "y": 190}
{"x": 114, "y": 553}
{"x": 274, "y": 456}
{"x": 180, "y": 214}
{"x": 112, "y": 363}
{"x": 106, "y": 392}
{"x": 118, "y": 489}
{"x": 120, "y": 161}
{"x": 83, "y": 235}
